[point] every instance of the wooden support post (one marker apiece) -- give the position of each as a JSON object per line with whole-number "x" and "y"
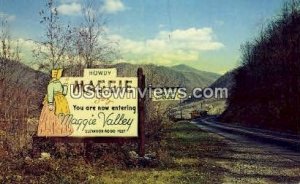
{"x": 35, "y": 147}
{"x": 88, "y": 144}
{"x": 141, "y": 112}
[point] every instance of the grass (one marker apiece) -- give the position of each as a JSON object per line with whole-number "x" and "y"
{"x": 181, "y": 154}
{"x": 187, "y": 146}
{"x": 189, "y": 155}
{"x": 202, "y": 157}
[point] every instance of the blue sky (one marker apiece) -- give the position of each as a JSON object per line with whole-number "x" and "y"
{"x": 205, "y": 34}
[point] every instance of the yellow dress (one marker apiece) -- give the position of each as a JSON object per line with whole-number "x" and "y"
{"x": 49, "y": 123}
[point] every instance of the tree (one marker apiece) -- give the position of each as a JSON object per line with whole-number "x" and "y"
{"x": 4, "y": 36}
{"x": 91, "y": 43}
{"x": 267, "y": 86}
{"x": 53, "y": 50}
{"x": 7, "y": 51}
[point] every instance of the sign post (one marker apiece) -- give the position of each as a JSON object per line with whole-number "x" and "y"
{"x": 141, "y": 114}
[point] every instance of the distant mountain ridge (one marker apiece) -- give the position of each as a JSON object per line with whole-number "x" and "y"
{"x": 175, "y": 76}
{"x": 185, "y": 68}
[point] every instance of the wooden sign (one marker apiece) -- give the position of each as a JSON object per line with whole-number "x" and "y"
{"x": 96, "y": 115}
{"x": 100, "y": 105}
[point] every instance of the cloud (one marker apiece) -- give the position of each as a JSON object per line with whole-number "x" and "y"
{"x": 7, "y": 16}
{"x": 169, "y": 47}
{"x": 69, "y": 9}
{"x": 192, "y": 39}
{"x": 181, "y": 46}
{"x": 113, "y": 6}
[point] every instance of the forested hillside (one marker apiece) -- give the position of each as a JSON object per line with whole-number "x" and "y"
{"x": 266, "y": 91}
{"x": 21, "y": 89}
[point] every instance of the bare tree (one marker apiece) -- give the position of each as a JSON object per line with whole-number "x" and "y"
{"x": 9, "y": 49}
{"x": 52, "y": 51}
{"x": 17, "y": 51}
{"x": 5, "y": 38}
{"x": 91, "y": 43}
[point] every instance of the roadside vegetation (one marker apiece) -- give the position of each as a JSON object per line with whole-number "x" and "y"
{"x": 187, "y": 155}
{"x": 266, "y": 92}
{"x": 182, "y": 160}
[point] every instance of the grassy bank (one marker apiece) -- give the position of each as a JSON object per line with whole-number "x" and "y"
{"x": 189, "y": 155}
{"x": 201, "y": 157}
{"x": 183, "y": 161}
{"x": 188, "y": 148}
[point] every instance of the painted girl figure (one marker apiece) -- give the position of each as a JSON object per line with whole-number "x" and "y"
{"x": 55, "y": 104}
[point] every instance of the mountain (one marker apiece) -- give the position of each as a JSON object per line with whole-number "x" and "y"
{"x": 179, "y": 75}
{"x": 21, "y": 89}
{"x": 225, "y": 81}
{"x": 266, "y": 93}
{"x": 187, "y": 69}
{"x": 213, "y": 106}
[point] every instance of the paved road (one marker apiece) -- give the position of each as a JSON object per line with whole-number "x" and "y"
{"x": 285, "y": 145}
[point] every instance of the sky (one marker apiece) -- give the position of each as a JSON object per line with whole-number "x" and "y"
{"x": 205, "y": 34}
